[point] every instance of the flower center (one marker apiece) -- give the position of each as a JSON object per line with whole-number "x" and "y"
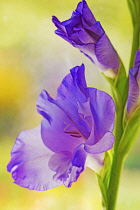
{"x": 72, "y": 131}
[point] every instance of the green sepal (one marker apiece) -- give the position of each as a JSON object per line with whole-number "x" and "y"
{"x": 104, "y": 177}
{"x": 131, "y": 132}
{"x": 103, "y": 191}
{"x": 121, "y": 84}
{"x": 106, "y": 169}
{"x": 134, "y": 8}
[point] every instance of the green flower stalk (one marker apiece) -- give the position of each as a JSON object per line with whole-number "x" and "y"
{"x": 134, "y": 8}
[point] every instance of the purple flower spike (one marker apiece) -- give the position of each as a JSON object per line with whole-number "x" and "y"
{"x": 134, "y": 85}
{"x": 75, "y": 132}
{"x": 85, "y": 33}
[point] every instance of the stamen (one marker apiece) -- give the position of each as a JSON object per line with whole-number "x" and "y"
{"x": 72, "y": 132}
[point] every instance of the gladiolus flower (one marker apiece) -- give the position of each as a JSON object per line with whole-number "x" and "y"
{"x": 76, "y": 127}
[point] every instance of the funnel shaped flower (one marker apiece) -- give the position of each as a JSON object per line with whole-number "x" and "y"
{"x": 76, "y": 127}
{"x": 134, "y": 85}
{"x": 85, "y": 33}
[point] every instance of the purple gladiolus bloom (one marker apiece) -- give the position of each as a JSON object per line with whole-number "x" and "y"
{"x": 85, "y": 33}
{"x": 75, "y": 132}
{"x": 134, "y": 85}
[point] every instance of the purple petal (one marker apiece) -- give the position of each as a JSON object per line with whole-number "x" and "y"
{"x": 85, "y": 112}
{"x": 106, "y": 54}
{"x": 134, "y": 89}
{"x": 78, "y": 165}
{"x": 61, "y": 164}
{"x": 95, "y": 31}
{"x": 72, "y": 112}
{"x": 73, "y": 86}
{"x": 54, "y": 127}
{"x": 58, "y": 24}
{"x": 61, "y": 31}
{"x": 137, "y": 59}
{"x": 86, "y": 13}
{"x": 89, "y": 51}
{"x": 95, "y": 161}
{"x": 66, "y": 26}
{"x": 105, "y": 144}
{"x": 82, "y": 36}
{"x": 70, "y": 93}
{"x": 29, "y": 162}
{"x": 73, "y": 176}
{"x": 70, "y": 24}
{"x": 138, "y": 77}
{"x": 50, "y": 111}
{"x": 60, "y": 140}
{"x": 103, "y": 111}
{"x": 68, "y": 168}
{"x": 75, "y": 38}
{"x": 79, "y": 157}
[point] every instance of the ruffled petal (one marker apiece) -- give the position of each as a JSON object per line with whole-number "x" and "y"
{"x": 78, "y": 165}
{"x": 103, "y": 145}
{"x": 29, "y": 162}
{"x": 103, "y": 112}
{"x": 73, "y": 86}
{"x": 51, "y": 112}
{"x": 60, "y": 163}
{"x": 68, "y": 166}
{"x": 95, "y": 161}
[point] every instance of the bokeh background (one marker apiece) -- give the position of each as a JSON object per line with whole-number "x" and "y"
{"x": 33, "y": 58}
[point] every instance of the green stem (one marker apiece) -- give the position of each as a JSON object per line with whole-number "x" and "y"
{"x": 119, "y": 125}
{"x": 114, "y": 181}
{"x": 134, "y": 8}
{"x": 117, "y": 162}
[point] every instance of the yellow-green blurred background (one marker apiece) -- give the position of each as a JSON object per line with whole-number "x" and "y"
{"x": 33, "y": 58}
